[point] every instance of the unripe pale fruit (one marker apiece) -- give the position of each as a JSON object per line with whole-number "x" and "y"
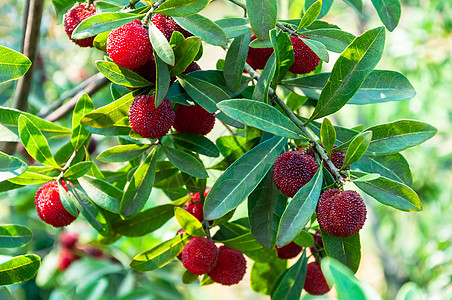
{"x": 167, "y": 26}
{"x": 49, "y": 206}
{"x": 315, "y": 283}
{"x": 290, "y": 250}
{"x": 292, "y": 170}
{"x": 148, "y": 121}
{"x": 129, "y": 46}
{"x": 74, "y": 17}
{"x": 305, "y": 60}
{"x": 200, "y": 255}
{"x": 258, "y": 57}
{"x": 230, "y": 268}
{"x": 341, "y": 214}
{"x": 193, "y": 119}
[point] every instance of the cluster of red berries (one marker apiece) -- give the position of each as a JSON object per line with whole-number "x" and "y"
{"x": 74, "y": 17}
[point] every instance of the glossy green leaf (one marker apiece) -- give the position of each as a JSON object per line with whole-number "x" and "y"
{"x": 186, "y": 162}
{"x": 185, "y": 52}
{"x": 389, "y": 12}
{"x": 78, "y": 170}
{"x": 284, "y": 56}
{"x": 188, "y": 222}
{"x": 181, "y": 8}
{"x": 245, "y": 242}
{"x": 99, "y": 23}
{"x": 159, "y": 255}
{"x": 35, "y": 143}
{"x": 304, "y": 239}
{"x": 299, "y": 211}
{"x": 318, "y": 48}
{"x": 138, "y": 189}
{"x": 234, "y": 27}
{"x": 83, "y": 106}
{"x": 327, "y": 136}
{"x": 262, "y": 15}
{"x": 390, "y": 192}
{"x": 356, "y": 5}
{"x": 67, "y": 201}
{"x": 196, "y": 143}
{"x": 241, "y": 178}
{"x": 264, "y": 275}
{"x": 326, "y": 5}
{"x": 100, "y": 41}
{"x": 204, "y": 28}
{"x": 357, "y": 148}
{"x": 368, "y": 177}
{"x": 19, "y": 269}
{"x": 28, "y": 178}
{"x": 347, "y": 250}
{"x": 14, "y": 236}
{"x": 311, "y": 14}
{"x": 61, "y": 6}
{"x": 10, "y": 167}
{"x": 262, "y": 87}
{"x": 161, "y": 45}
{"x": 122, "y": 153}
{"x": 335, "y": 40}
{"x": 350, "y": 71}
{"x": 235, "y": 61}
{"x": 162, "y": 82}
{"x": 13, "y": 64}
{"x": 121, "y": 75}
{"x": 102, "y": 193}
{"x": 292, "y": 281}
{"x": 262, "y": 116}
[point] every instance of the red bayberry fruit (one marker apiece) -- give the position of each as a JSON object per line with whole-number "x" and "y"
{"x": 341, "y": 213}
{"x": 148, "y": 121}
{"x": 193, "y": 119}
{"x": 49, "y": 206}
{"x": 167, "y": 26}
{"x": 129, "y": 46}
{"x": 257, "y": 57}
{"x": 68, "y": 239}
{"x": 315, "y": 283}
{"x": 74, "y": 17}
{"x": 180, "y": 231}
{"x": 93, "y": 252}
{"x": 290, "y": 250}
{"x": 195, "y": 206}
{"x": 305, "y": 60}
{"x": 191, "y": 68}
{"x": 65, "y": 259}
{"x": 230, "y": 267}
{"x": 337, "y": 158}
{"x": 148, "y": 70}
{"x": 292, "y": 170}
{"x": 199, "y": 255}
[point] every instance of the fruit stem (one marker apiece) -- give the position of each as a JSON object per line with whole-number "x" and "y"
{"x": 67, "y": 165}
{"x": 131, "y": 4}
{"x": 151, "y": 11}
{"x": 206, "y": 225}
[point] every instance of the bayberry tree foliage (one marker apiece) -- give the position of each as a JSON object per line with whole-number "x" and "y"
{"x": 293, "y": 167}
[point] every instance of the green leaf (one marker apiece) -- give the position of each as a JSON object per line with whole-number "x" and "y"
{"x": 102, "y": 193}
{"x": 327, "y": 136}
{"x": 262, "y": 15}
{"x": 397, "y": 136}
{"x": 188, "y": 277}
{"x": 122, "y": 153}
{"x": 356, "y": 5}
{"x": 28, "y": 178}
{"x": 5, "y": 294}
{"x": 357, "y": 148}
{"x": 79, "y": 133}
{"x": 292, "y": 281}
{"x": 368, "y": 177}
{"x": 184, "y": 53}
{"x": 347, "y": 250}
{"x": 189, "y": 222}
{"x": 161, "y": 45}
{"x": 260, "y": 91}
{"x": 181, "y": 8}
{"x": 235, "y": 61}
{"x": 196, "y": 143}
{"x": 264, "y": 275}
{"x": 10, "y": 167}
{"x": 163, "y": 81}
{"x": 262, "y": 116}
{"x": 234, "y": 27}
{"x": 284, "y": 56}
{"x": 14, "y": 236}
{"x": 61, "y": 6}
{"x": 138, "y": 189}
{"x": 310, "y": 15}
{"x": 159, "y": 255}
{"x": 102, "y": 22}
{"x": 299, "y": 211}
{"x": 335, "y": 40}
{"x": 350, "y": 71}
{"x": 410, "y": 291}
{"x": 245, "y": 242}
{"x": 304, "y": 239}
{"x": 19, "y": 269}
{"x": 13, "y": 64}
{"x": 100, "y": 41}
{"x": 35, "y": 143}
{"x": 204, "y": 28}
{"x": 390, "y": 192}
{"x": 78, "y": 170}
{"x": 241, "y": 178}
{"x": 67, "y": 201}
{"x": 318, "y": 48}
{"x": 266, "y": 205}
{"x": 186, "y": 162}
{"x": 389, "y": 12}
{"x": 326, "y": 5}
{"x": 121, "y": 75}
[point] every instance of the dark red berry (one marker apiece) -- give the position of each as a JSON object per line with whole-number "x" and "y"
{"x": 258, "y": 57}
{"x": 290, "y": 250}
{"x": 315, "y": 283}
{"x": 148, "y": 70}
{"x": 230, "y": 268}
{"x": 74, "y": 17}
{"x": 167, "y": 26}
{"x": 191, "y": 68}
{"x": 305, "y": 60}
{"x": 193, "y": 119}
{"x": 196, "y": 209}
{"x": 200, "y": 255}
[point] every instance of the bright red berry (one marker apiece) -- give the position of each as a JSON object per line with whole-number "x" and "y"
{"x": 292, "y": 170}
{"x": 290, "y": 250}
{"x": 167, "y": 26}
{"x": 74, "y": 17}
{"x": 193, "y": 119}
{"x": 257, "y": 57}
{"x": 129, "y": 46}
{"x": 68, "y": 239}
{"x": 66, "y": 258}
{"x": 315, "y": 283}
{"x": 341, "y": 213}
{"x": 195, "y": 206}
{"x": 49, "y": 206}
{"x": 305, "y": 60}
{"x": 148, "y": 121}
{"x": 200, "y": 255}
{"x": 230, "y": 268}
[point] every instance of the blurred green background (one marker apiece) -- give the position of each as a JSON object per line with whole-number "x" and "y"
{"x": 397, "y": 247}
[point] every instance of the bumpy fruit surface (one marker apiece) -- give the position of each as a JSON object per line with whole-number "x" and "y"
{"x": 74, "y": 17}
{"x": 65, "y": 259}
{"x": 341, "y": 213}
{"x": 257, "y": 57}
{"x": 230, "y": 267}
{"x": 195, "y": 205}
{"x": 305, "y": 60}
{"x": 68, "y": 239}
{"x": 337, "y": 158}
{"x": 315, "y": 283}
{"x": 290, "y": 250}
{"x": 200, "y": 255}
{"x": 129, "y": 46}
{"x": 148, "y": 121}
{"x": 167, "y": 26}
{"x": 292, "y": 170}
{"x": 193, "y": 119}
{"x": 49, "y": 206}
